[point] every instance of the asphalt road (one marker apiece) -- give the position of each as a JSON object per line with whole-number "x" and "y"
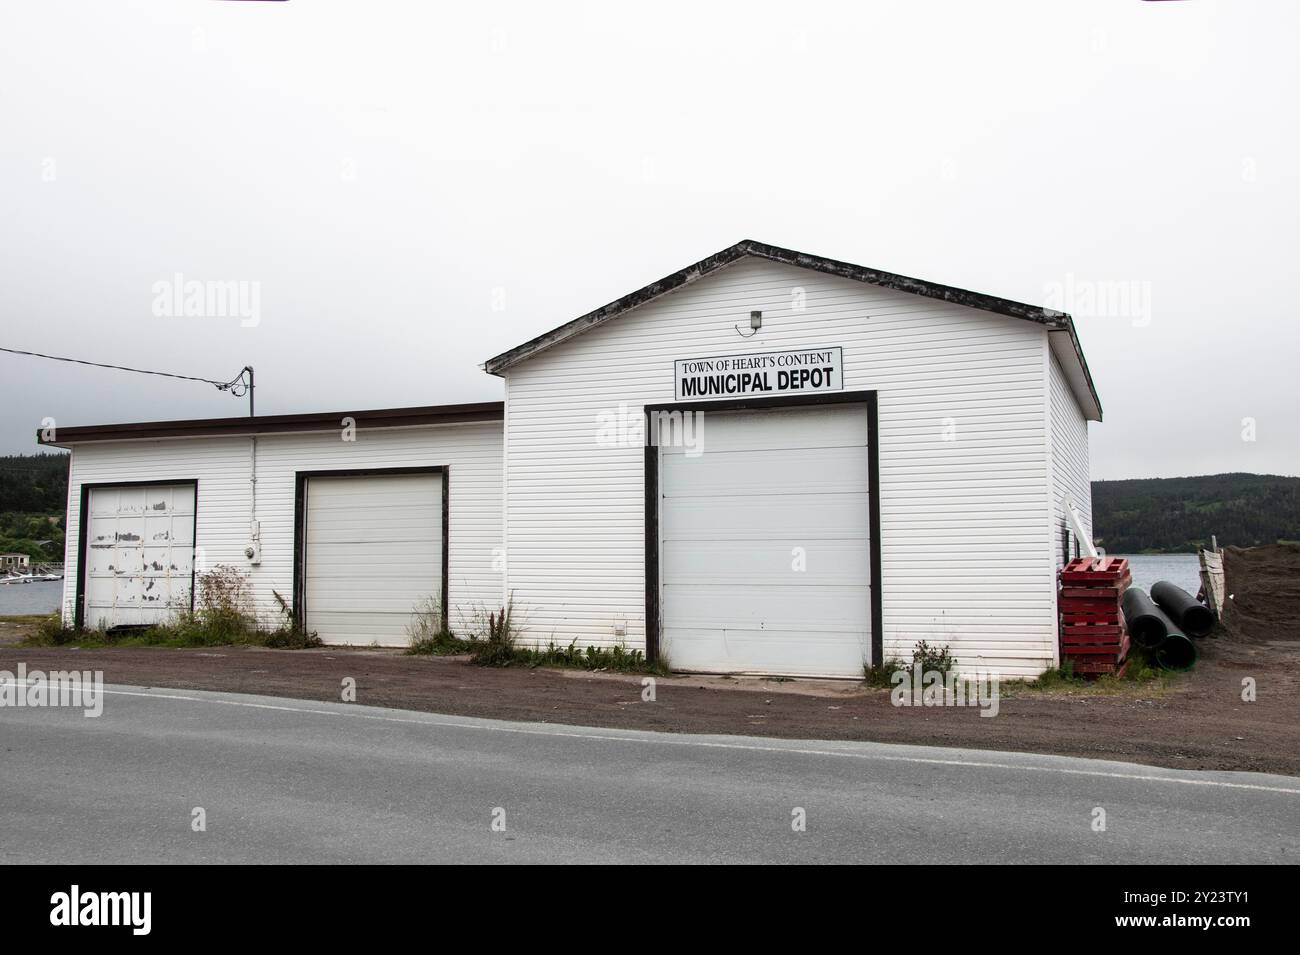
{"x": 290, "y": 781}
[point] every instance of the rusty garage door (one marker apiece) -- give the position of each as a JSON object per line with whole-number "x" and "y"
{"x": 138, "y": 558}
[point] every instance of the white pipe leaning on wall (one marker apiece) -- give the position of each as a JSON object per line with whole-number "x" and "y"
{"x": 1076, "y": 524}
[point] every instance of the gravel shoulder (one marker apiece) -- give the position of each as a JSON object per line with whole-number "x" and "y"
{"x": 1198, "y": 722}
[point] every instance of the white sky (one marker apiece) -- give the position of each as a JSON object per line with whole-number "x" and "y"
{"x": 382, "y": 169}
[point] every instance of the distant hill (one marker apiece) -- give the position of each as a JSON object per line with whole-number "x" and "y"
{"x": 33, "y": 501}
{"x": 1172, "y": 515}
{"x": 34, "y": 483}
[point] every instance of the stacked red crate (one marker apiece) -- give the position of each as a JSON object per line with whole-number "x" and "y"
{"x": 1093, "y": 635}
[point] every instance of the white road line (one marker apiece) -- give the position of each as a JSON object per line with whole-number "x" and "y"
{"x": 684, "y": 740}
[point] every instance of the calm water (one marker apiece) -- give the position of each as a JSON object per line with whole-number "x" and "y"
{"x": 43, "y": 596}
{"x": 1181, "y": 569}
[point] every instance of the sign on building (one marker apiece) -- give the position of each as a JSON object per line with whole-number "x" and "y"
{"x": 766, "y": 373}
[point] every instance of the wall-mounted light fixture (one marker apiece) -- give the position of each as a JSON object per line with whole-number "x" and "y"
{"x": 755, "y": 323}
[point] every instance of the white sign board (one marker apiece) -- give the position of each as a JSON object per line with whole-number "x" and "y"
{"x": 765, "y": 373}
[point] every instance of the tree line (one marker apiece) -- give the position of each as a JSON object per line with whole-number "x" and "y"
{"x": 33, "y": 502}
{"x": 1174, "y": 515}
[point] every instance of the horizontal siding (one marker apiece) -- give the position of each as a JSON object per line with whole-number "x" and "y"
{"x": 962, "y": 520}
{"x": 1070, "y": 472}
{"x": 472, "y": 452}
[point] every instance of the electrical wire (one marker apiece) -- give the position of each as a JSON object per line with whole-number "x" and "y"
{"x": 237, "y": 386}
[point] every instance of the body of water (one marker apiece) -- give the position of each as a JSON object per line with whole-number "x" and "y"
{"x": 1181, "y": 569}
{"x": 41, "y": 596}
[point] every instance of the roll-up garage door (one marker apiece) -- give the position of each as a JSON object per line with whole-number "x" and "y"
{"x": 139, "y": 559}
{"x": 765, "y": 544}
{"x": 373, "y": 554}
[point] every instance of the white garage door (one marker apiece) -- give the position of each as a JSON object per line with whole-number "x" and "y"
{"x": 765, "y": 544}
{"x": 139, "y": 558}
{"x": 373, "y": 555}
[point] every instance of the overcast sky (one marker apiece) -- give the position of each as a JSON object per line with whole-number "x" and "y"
{"x": 416, "y": 187}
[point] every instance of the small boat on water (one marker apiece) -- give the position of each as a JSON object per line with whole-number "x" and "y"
{"x": 29, "y": 578}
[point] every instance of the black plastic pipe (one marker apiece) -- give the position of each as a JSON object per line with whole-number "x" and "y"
{"x": 1146, "y": 624}
{"x": 1176, "y": 651}
{"x": 1190, "y": 614}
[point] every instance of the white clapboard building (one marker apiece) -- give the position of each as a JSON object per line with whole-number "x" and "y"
{"x": 768, "y": 462}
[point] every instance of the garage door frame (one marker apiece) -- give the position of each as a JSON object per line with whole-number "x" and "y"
{"x": 300, "y": 529}
{"x": 83, "y": 525}
{"x": 653, "y": 591}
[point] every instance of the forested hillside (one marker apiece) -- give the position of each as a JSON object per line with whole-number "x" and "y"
{"x": 33, "y": 498}
{"x": 1177, "y": 514}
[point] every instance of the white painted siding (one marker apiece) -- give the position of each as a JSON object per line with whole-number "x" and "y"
{"x": 1070, "y": 474}
{"x": 962, "y": 524}
{"x": 472, "y": 452}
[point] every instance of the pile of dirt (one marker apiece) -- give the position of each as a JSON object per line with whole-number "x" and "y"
{"x": 1263, "y": 587}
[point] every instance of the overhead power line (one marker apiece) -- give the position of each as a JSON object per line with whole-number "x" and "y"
{"x": 240, "y": 385}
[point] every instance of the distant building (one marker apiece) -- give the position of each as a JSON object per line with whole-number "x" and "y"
{"x": 14, "y": 563}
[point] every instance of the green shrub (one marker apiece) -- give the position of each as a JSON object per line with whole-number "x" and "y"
{"x": 1142, "y": 666}
{"x": 929, "y": 658}
{"x": 1062, "y": 676}
{"x": 52, "y": 633}
{"x": 221, "y": 618}
{"x": 429, "y": 633}
{"x": 882, "y": 674}
{"x": 494, "y": 645}
{"x": 499, "y": 650}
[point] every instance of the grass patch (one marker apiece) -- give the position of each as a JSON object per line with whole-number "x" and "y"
{"x": 616, "y": 659}
{"x": 444, "y": 643}
{"x": 1142, "y": 676}
{"x": 430, "y": 635}
{"x": 496, "y": 645}
{"x": 222, "y": 619}
{"x": 186, "y": 630}
{"x": 881, "y": 676}
{"x": 924, "y": 657}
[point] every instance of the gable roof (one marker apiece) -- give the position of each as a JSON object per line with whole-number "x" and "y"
{"x": 1071, "y": 355}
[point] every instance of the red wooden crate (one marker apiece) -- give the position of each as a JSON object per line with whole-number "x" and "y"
{"x": 1070, "y": 644}
{"x": 1114, "y": 645}
{"x": 1086, "y": 569}
{"x": 1108, "y": 626}
{"x": 1087, "y": 605}
{"x": 1087, "y": 668}
{"x": 1096, "y": 663}
{"x": 1112, "y": 589}
{"x": 1110, "y": 619}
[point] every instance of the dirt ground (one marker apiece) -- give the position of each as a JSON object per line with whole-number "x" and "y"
{"x": 1199, "y": 721}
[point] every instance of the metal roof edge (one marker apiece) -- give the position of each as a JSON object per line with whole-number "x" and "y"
{"x": 424, "y": 415}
